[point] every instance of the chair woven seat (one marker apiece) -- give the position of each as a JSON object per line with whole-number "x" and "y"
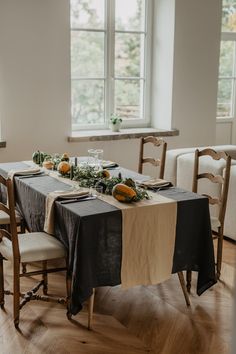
{"x": 5, "y": 219}
{"x": 33, "y": 247}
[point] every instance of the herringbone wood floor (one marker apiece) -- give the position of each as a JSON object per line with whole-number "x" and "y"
{"x": 150, "y": 319}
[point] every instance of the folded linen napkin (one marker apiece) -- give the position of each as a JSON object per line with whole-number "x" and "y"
{"x": 155, "y": 183}
{"x": 109, "y": 164}
{"x": 49, "y": 207}
{"x": 28, "y": 171}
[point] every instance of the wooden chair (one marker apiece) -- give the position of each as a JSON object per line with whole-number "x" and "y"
{"x": 5, "y": 219}
{"x": 28, "y": 248}
{"x": 217, "y": 222}
{"x": 157, "y": 142}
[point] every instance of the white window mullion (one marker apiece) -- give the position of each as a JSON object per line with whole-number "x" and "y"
{"x": 110, "y": 57}
{"x": 148, "y": 61}
{"x": 130, "y": 32}
{"x": 129, "y": 78}
{"x": 77, "y": 29}
{"x": 234, "y": 83}
{"x": 106, "y": 61}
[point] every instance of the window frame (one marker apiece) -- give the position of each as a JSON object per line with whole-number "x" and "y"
{"x": 109, "y": 68}
{"x": 230, "y": 37}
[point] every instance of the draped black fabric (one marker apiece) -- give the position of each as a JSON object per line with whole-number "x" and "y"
{"x": 93, "y": 237}
{"x": 193, "y": 245}
{"x": 91, "y": 231}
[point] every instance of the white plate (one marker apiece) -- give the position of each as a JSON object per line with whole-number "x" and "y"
{"x": 72, "y": 196}
{"x": 107, "y": 164}
{"x": 154, "y": 183}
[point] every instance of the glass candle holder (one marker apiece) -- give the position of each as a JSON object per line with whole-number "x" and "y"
{"x": 99, "y": 158}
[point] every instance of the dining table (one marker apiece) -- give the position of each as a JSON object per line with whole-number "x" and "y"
{"x": 91, "y": 231}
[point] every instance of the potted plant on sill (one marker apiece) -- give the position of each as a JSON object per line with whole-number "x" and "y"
{"x": 115, "y": 121}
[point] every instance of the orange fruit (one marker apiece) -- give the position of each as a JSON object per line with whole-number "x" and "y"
{"x": 63, "y": 167}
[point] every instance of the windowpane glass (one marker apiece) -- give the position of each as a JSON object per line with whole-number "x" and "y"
{"x": 128, "y": 54}
{"x": 229, "y": 16}
{"x": 87, "y": 54}
{"x": 130, "y": 15}
{"x": 227, "y": 52}
{"x": 87, "y": 102}
{"x": 87, "y": 14}
{"x": 225, "y": 94}
{"x": 108, "y": 60}
{"x": 128, "y": 98}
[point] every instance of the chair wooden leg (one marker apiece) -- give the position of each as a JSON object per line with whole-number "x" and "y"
{"x": 24, "y": 269}
{"x": 219, "y": 252}
{"x": 16, "y": 291}
{"x": 189, "y": 280}
{"x": 45, "y": 278}
{"x": 22, "y": 227}
{"x": 68, "y": 289}
{"x": 90, "y": 309}
{"x": 183, "y": 286}
{"x": 1, "y": 283}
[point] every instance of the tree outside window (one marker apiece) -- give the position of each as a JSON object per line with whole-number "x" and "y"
{"x": 108, "y": 61}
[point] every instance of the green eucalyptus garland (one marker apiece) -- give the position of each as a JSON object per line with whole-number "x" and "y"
{"x": 88, "y": 177}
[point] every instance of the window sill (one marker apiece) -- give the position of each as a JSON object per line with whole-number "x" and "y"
{"x": 3, "y": 144}
{"x": 106, "y": 135}
{"x": 224, "y": 120}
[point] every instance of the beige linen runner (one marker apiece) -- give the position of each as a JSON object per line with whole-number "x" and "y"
{"x": 148, "y": 240}
{"x": 148, "y": 235}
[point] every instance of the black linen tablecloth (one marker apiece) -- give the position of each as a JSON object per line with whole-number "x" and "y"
{"x": 193, "y": 244}
{"x": 92, "y": 233}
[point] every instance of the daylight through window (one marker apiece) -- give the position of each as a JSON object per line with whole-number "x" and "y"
{"x": 227, "y": 69}
{"x": 109, "y": 62}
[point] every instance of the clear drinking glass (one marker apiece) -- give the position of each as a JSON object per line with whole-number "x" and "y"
{"x": 99, "y": 191}
{"x": 99, "y": 158}
{"x": 91, "y": 157}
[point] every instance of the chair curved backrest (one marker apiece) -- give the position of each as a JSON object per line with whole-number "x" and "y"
{"x": 9, "y": 209}
{"x": 222, "y": 180}
{"x": 220, "y": 200}
{"x": 157, "y": 142}
{"x": 5, "y": 191}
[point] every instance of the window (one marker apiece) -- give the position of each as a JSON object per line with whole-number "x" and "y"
{"x": 110, "y": 41}
{"x": 227, "y": 69}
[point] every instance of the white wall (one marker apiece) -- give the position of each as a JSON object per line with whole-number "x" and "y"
{"x": 35, "y": 78}
{"x": 35, "y": 87}
{"x": 197, "y": 36}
